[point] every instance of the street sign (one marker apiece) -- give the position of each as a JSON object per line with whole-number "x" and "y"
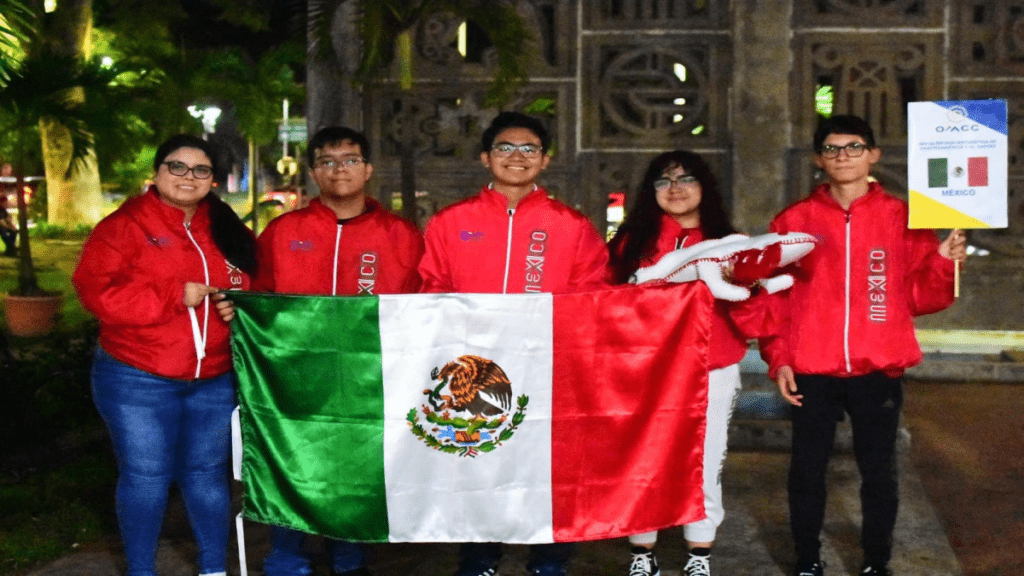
{"x": 292, "y": 130}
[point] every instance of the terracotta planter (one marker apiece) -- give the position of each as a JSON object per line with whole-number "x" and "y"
{"x": 32, "y": 315}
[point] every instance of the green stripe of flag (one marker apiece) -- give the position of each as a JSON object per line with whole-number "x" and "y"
{"x": 326, "y": 390}
{"x": 938, "y": 173}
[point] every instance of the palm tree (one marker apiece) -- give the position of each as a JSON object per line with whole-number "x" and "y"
{"x": 15, "y": 18}
{"x": 386, "y": 31}
{"x": 40, "y": 88}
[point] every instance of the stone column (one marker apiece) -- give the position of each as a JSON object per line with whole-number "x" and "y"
{"x": 760, "y": 110}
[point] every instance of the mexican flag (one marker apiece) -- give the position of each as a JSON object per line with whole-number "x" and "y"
{"x": 524, "y": 418}
{"x": 939, "y": 172}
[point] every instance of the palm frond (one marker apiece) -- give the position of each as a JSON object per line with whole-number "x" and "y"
{"x": 55, "y": 87}
{"x": 380, "y": 23}
{"x": 321, "y": 16}
{"x": 17, "y": 21}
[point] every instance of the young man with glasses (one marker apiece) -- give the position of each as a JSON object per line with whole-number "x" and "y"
{"x": 845, "y": 334}
{"x": 512, "y": 238}
{"x": 343, "y": 242}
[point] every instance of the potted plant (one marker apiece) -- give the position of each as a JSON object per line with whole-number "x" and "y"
{"x": 45, "y": 86}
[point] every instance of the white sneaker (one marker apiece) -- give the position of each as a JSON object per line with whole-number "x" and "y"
{"x": 698, "y": 566}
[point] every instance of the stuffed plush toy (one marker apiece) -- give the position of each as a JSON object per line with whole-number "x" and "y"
{"x": 752, "y": 260}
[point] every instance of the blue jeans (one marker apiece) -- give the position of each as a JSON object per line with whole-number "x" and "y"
{"x": 166, "y": 430}
{"x": 288, "y": 557}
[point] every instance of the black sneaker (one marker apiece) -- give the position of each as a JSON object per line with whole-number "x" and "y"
{"x": 813, "y": 569}
{"x": 876, "y": 571}
{"x": 697, "y": 566}
{"x": 644, "y": 562}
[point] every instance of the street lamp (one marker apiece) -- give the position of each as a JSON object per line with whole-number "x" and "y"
{"x": 207, "y": 115}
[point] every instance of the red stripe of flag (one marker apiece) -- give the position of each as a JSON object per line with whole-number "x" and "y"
{"x": 621, "y": 355}
{"x": 977, "y": 171}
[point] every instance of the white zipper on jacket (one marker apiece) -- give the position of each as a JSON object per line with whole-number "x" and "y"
{"x": 846, "y": 322}
{"x": 337, "y": 248}
{"x": 508, "y": 250}
{"x": 199, "y": 339}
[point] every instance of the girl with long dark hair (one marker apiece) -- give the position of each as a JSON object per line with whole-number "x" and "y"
{"x": 677, "y": 206}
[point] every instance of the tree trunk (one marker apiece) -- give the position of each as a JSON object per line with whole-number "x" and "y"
{"x": 76, "y": 199}
{"x": 28, "y": 284}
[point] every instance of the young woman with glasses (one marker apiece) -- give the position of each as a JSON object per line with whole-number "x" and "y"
{"x": 162, "y": 377}
{"x": 677, "y": 206}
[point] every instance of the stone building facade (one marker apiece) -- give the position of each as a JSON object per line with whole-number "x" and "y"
{"x": 737, "y": 81}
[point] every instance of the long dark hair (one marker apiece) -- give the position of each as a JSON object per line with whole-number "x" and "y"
{"x": 231, "y": 236}
{"x": 637, "y": 237}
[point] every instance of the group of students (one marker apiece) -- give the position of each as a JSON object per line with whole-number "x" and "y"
{"x": 155, "y": 272}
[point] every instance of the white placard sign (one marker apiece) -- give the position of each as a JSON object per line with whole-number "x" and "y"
{"x": 957, "y": 164}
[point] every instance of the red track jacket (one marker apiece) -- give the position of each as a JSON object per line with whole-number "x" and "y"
{"x": 852, "y": 307}
{"x": 479, "y": 245}
{"x": 132, "y": 275}
{"x": 309, "y": 251}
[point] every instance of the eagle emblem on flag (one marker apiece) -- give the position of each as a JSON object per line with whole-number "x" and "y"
{"x": 473, "y": 416}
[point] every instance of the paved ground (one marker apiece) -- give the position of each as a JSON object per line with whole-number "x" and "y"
{"x": 968, "y": 447}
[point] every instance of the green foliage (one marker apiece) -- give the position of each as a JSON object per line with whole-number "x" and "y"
{"x": 254, "y": 88}
{"x": 247, "y": 84}
{"x": 128, "y": 173}
{"x": 15, "y": 19}
{"x": 56, "y": 231}
{"x": 542, "y": 106}
{"x": 59, "y": 88}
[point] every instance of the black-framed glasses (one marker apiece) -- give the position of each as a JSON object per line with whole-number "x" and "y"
{"x": 199, "y": 171}
{"x": 663, "y": 184}
{"x": 332, "y": 164}
{"x": 853, "y": 150}
{"x": 506, "y": 149}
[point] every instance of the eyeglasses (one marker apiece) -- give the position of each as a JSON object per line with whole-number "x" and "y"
{"x": 853, "y": 150}
{"x": 505, "y": 149}
{"x": 348, "y": 162}
{"x": 200, "y": 171}
{"x": 665, "y": 183}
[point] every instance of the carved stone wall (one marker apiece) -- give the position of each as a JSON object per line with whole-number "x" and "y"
{"x": 615, "y": 80}
{"x": 878, "y": 55}
{"x": 619, "y": 81}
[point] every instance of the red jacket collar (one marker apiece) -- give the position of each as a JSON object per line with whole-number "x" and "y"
{"x": 821, "y": 194}
{"x": 670, "y": 227}
{"x": 321, "y": 209}
{"x": 492, "y": 196}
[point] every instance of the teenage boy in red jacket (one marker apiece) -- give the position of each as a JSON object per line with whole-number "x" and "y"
{"x": 342, "y": 243}
{"x": 846, "y": 333}
{"x": 511, "y": 238}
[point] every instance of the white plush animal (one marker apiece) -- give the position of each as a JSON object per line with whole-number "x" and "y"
{"x": 752, "y": 260}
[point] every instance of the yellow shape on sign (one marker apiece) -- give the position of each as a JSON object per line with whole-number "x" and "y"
{"x": 928, "y": 213}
